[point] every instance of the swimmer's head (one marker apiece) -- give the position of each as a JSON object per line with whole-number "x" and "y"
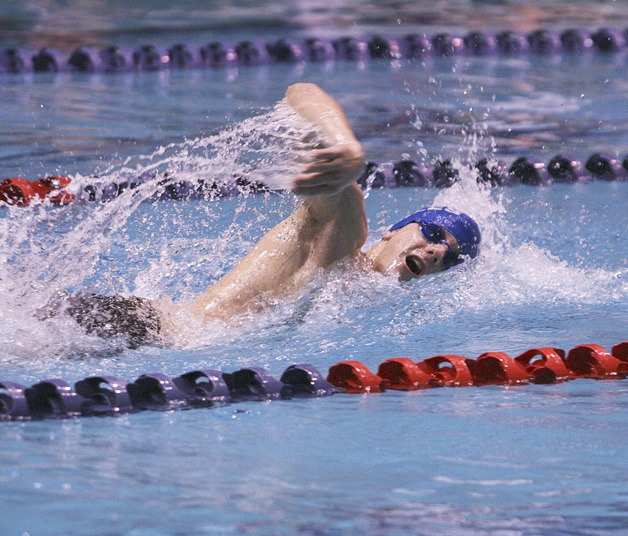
{"x": 463, "y": 228}
{"x": 426, "y": 242}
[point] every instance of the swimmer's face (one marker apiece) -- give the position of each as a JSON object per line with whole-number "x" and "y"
{"x": 408, "y": 253}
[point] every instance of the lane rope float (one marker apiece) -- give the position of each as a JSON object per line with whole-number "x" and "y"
{"x": 149, "y": 57}
{"x": 18, "y": 191}
{"x": 105, "y": 395}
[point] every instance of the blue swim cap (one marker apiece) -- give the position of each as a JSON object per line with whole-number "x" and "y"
{"x": 460, "y": 225}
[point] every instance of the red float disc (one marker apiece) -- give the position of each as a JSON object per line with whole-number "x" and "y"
{"x": 16, "y": 191}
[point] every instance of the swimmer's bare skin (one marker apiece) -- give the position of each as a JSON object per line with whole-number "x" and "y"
{"x": 330, "y": 225}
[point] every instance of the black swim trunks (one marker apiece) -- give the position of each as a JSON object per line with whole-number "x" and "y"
{"x": 136, "y": 320}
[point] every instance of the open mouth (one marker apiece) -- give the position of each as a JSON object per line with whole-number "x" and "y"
{"x": 415, "y": 265}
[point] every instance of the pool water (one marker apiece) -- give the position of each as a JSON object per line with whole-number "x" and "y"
{"x": 526, "y": 460}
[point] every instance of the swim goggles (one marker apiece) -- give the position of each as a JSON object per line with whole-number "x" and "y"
{"x": 435, "y": 234}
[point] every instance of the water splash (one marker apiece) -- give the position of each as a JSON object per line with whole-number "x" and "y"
{"x": 173, "y": 250}
{"x": 133, "y": 245}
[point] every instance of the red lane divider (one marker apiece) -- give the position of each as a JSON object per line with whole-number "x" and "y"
{"x": 498, "y": 368}
{"x": 16, "y": 191}
{"x": 20, "y": 192}
{"x": 53, "y": 188}
{"x": 542, "y": 365}
{"x": 449, "y": 370}
{"x": 545, "y": 365}
{"x": 403, "y": 374}
{"x": 620, "y": 351}
{"x": 355, "y": 377}
{"x": 593, "y": 361}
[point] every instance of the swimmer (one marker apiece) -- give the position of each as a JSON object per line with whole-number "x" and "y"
{"x": 329, "y": 226}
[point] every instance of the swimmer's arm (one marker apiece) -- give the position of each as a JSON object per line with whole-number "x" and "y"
{"x": 336, "y": 167}
{"x": 330, "y": 225}
{"x": 322, "y": 110}
{"x": 286, "y": 258}
{"x": 332, "y": 212}
{"x": 265, "y": 273}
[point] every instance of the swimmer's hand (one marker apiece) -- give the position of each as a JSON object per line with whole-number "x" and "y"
{"x": 330, "y": 170}
{"x": 333, "y": 169}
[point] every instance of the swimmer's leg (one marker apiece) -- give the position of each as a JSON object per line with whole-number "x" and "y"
{"x": 136, "y": 320}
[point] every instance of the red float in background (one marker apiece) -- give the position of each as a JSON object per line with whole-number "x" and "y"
{"x": 16, "y": 191}
{"x": 620, "y": 351}
{"x": 540, "y": 365}
{"x": 19, "y": 192}
{"x": 53, "y": 188}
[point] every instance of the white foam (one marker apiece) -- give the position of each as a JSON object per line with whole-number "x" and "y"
{"x": 46, "y": 251}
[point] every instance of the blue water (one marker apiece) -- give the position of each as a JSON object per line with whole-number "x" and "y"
{"x": 528, "y": 460}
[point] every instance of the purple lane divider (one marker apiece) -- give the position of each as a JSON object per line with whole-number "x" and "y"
{"x": 204, "y": 387}
{"x": 54, "y": 398}
{"x": 13, "y": 403}
{"x": 151, "y": 57}
{"x": 106, "y": 395}
{"x": 306, "y": 380}
{"x": 255, "y": 383}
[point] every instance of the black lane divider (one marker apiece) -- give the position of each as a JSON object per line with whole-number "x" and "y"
{"x": 18, "y": 191}
{"x": 216, "y": 54}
